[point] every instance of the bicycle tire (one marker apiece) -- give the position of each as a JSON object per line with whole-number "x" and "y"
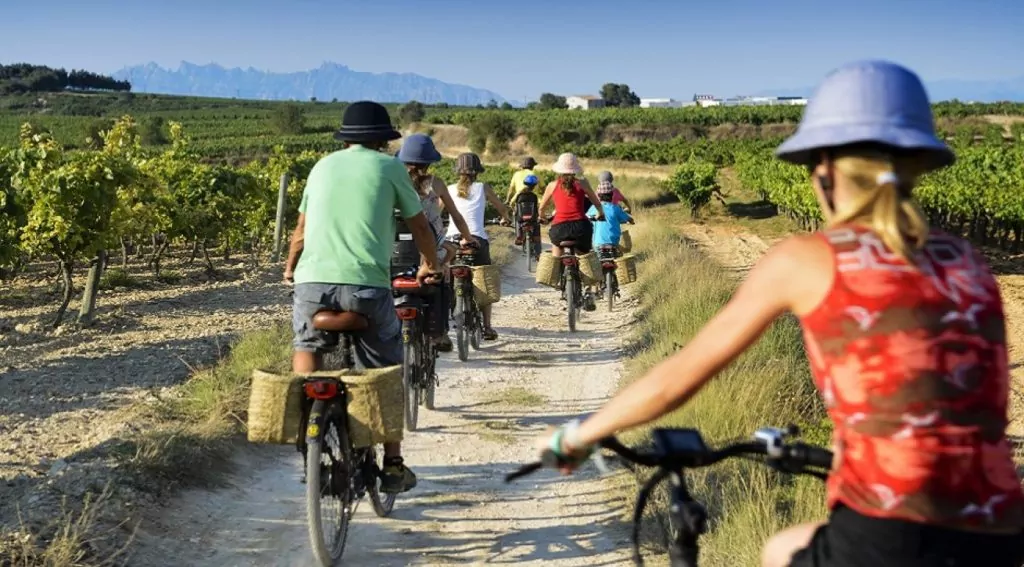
{"x": 609, "y": 288}
{"x": 461, "y": 332}
{"x": 411, "y": 383}
{"x": 528, "y": 248}
{"x": 429, "y": 376}
{"x": 326, "y": 416}
{"x": 571, "y": 299}
{"x": 476, "y": 333}
{"x": 382, "y": 503}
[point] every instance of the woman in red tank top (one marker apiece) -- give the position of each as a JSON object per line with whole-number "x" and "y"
{"x": 905, "y": 334}
{"x": 570, "y": 196}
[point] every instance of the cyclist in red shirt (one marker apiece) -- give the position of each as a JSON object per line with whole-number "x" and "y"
{"x": 570, "y": 195}
{"x": 906, "y": 338}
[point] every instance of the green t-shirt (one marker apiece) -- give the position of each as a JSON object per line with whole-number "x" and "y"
{"x": 349, "y": 204}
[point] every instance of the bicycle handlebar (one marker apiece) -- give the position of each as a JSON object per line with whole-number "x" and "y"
{"x": 679, "y": 449}
{"x": 769, "y": 442}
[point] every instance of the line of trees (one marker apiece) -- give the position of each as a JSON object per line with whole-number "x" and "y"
{"x": 25, "y": 77}
{"x": 614, "y": 94}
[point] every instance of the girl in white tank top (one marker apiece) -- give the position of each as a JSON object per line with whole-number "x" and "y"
{"x": 472, "y": 208}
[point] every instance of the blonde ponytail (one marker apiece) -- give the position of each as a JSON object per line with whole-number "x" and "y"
{"x": 884, "y": 199}
{"x": 465, "y": 181}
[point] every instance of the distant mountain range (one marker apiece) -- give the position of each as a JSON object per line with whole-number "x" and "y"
{"x": 327, "y": 82}
{"x": 948, "y": 89}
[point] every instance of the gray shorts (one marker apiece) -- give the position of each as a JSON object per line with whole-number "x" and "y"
{"x": 376, "y": 347}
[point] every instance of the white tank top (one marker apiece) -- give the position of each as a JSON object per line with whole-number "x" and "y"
{"x": 471, "y": 208}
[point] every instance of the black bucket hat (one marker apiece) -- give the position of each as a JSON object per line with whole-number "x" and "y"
{"x": 366, "y": 121}
{"x": 528, "y": 163}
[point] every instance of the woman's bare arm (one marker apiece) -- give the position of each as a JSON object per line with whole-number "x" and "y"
{"x": 497, "y": 203}
{"x": 548, "y": 191}
{"x": 792, "y": 276}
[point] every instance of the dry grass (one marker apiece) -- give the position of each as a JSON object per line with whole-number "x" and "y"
{"x": 73, "y": 538}
{"x": 768, "y": 385}
{"x": 518, "y": 396}
{"x": 503, "y": 251}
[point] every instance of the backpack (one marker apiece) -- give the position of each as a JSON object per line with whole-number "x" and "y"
{"x": 527, "y": 204}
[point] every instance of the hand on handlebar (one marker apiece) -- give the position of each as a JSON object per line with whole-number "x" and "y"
{"x": 469, "y": 241}
{"x": 557, "y": 453}
{"x": 289, "y": 277}
{"x": 426, "y": 275}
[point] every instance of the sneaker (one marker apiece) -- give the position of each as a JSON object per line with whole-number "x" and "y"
{"x": 396, "y": 477}
{"x": 588, "y": 302}
{"x": 443, "y": 344}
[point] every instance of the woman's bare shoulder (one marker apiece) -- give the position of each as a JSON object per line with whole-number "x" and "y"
{"x": 799, "y": 268}
{"x": 437, "y": 183}
{"x": 798, "y": 250}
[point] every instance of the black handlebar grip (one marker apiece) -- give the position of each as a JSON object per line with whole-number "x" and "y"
{"x": 804, "y": 455}
{"x": 523, "y": 471}
{"x": 818, "y": 457}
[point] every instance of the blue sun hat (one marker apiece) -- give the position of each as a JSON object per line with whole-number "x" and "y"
{"x": 418, "y": 149}
{"x": 868, "y": 101}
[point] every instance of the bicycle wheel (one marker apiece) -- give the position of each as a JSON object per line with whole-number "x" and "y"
{"x": 528, "y": 248}
{"x": 411, "y": 383}
{"x": 571, "y": 299}
{"x": 461, "y": 332}
{"x": 329, "y": 498}
{"x": 429, "y": 377}
{"x": 609, "y": 288}
{"x": 382, "y": 503}
{"x": 476, "y": 330}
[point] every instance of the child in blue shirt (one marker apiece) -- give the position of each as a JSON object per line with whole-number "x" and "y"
{"x": 609, "y": 231}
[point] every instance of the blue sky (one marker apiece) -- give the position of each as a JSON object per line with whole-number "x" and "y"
{"x": 659, "y": 47}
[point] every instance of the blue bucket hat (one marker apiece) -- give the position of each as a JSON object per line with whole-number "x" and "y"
{"x": 418, "y": 149}
{"x": 868, "y": 102}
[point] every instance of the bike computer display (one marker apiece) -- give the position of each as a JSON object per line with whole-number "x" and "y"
{"x": 676, "y": 441}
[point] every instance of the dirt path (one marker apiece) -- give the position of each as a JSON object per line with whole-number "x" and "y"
{"x": 489, "y": 411}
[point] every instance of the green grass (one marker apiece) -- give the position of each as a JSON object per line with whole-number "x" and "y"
{"x": 770, "y": 384}
{"x": 115, "y": 277}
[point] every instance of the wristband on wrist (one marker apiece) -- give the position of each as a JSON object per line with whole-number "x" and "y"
{"x": 556, "y": 442}
{"x": 571, "y": 436}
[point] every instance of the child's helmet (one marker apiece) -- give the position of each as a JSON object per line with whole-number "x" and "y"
{"x": 530, "y": 180}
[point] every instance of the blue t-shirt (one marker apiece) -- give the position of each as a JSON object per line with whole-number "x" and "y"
{"x": 609, "y": 231}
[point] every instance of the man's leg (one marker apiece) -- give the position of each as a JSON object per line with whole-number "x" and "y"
{"x": 308, "y": 343}
{"x": 378, "y": 347}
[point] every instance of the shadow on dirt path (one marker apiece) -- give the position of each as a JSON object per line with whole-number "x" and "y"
{"x": 489, "y": 411}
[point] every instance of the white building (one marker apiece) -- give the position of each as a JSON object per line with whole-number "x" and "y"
{"x": 585, "y": 102}
{"x": 705, "y": 100}
{"x": 710, "y": 100}
{"x": 662, "y": 103}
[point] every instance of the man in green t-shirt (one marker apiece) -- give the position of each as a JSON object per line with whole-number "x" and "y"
{"x": 340, "y": 253}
